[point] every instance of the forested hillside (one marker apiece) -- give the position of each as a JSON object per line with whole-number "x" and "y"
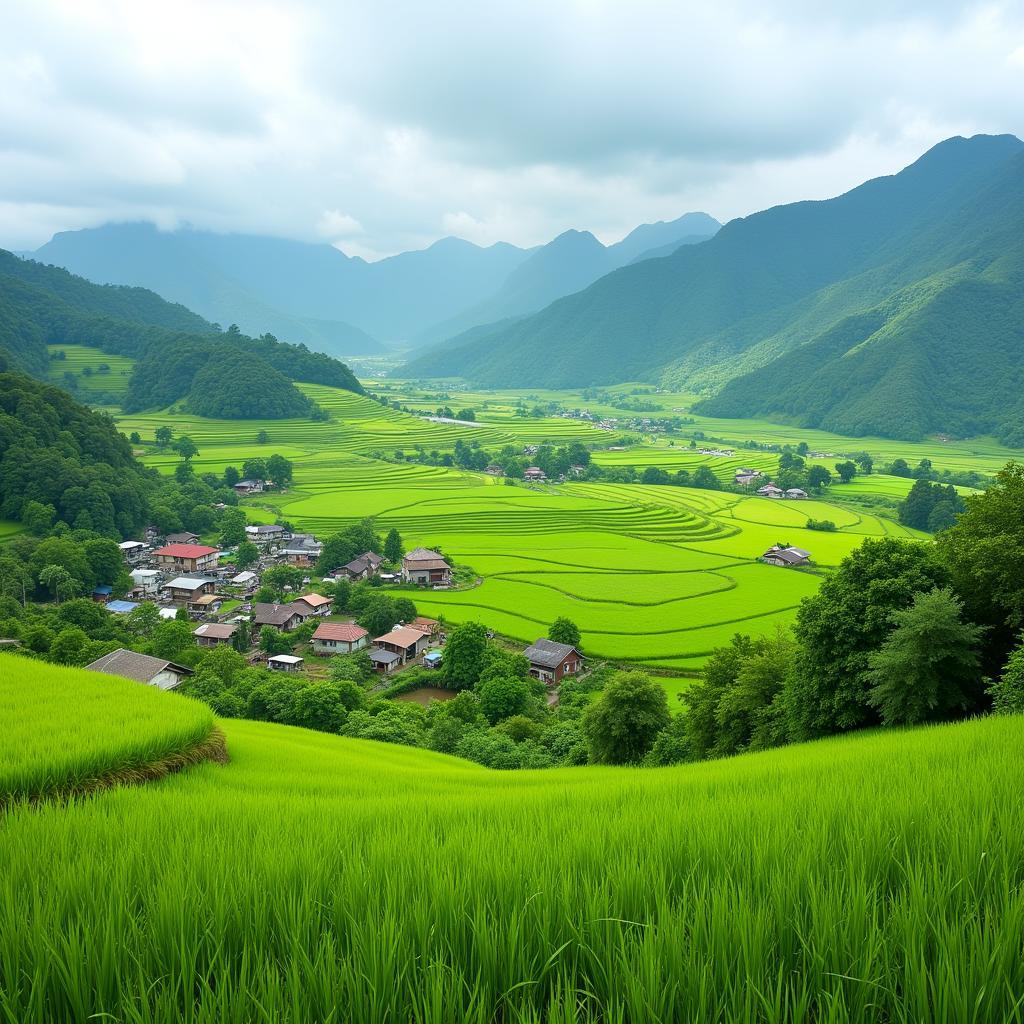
{"x": 237, "y": 375}
{"x": 851, "y": 314}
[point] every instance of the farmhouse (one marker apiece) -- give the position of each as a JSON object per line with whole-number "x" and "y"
{"x": 550, "y": 661}
{"x": 429, "y": 626}
{"x": 249, "y": 486}
{"x": 745, "y": 477}
{"x": 384, "y": 661}
{"x": 316, "y": 603}
{"x": 426, "y": 568}
{"x": 284, "y": 663}
{"x": 147, "y": 581}
{"x": 133, "y": 551}
{"x": 361, "y": 568}
{"x": 534, "y": 473}
{"x": 246, "y": 580}
{"x": 210, "y": 634}
{"x": 787, "y": 557}
{"x": 303, "y": 550}
{"x": 188, "y": 589}
{"x": 187, "y": 557}
{"x": 101, "y": 594}
{"x": 266, "y": 534}
{"x": 493, "y": 470}
{"x": 770, "y": 491}
{"x": 165, "y": 675}
{"x": 284, "y": 617}
{"x": 182, "y": 538}
{"x": 339, "y": 638}
{"x": 404, "y": 641}
{"x": 796, "y": 493}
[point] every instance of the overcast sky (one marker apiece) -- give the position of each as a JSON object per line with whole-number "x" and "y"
{"x": 382, "y": 126}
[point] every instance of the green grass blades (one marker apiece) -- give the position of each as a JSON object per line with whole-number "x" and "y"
{"x": 66, "y": 729}
{"x": 870, "y": 878}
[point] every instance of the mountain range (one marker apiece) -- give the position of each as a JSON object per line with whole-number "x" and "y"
{"x": 343, "y": 305}
{"x": 894, "y": 309}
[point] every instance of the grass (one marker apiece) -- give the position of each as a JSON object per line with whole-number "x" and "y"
{"x": 81, "y": 357}
{"x": 870, "y": 878}
{"x": 66, "y": 730}
{"x": 658, "y": 575}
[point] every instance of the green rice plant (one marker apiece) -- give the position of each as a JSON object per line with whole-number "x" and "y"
{"x": 66, "y": 730}
{"x": 861, "y": 879}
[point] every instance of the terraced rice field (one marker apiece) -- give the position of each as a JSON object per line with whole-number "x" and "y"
{"x": 80, "y": 357}
{"x": 660, "y": 575}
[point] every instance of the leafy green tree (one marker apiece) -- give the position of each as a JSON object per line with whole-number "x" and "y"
{"x": 847, "y": 471}
{"x": 393, "y": 549}
{"x": 262, "y": 437}
{"x": 141, "y": 621}
{"x": 342, "y": 547}
{"x": 671, "y": 746}
{"x": 223, "y": 661}
{"x": 163, "y": 436}
{"x": 183, "y": 472}
{"x": 502, "y": 697}
{"x": 242, "y": 640}
{"x": 279, "y": 471}
{"x": 273, "y": 641}
{"x": 280, "y": 579}
{"x": 254, "y": 469}
{"x": 71, "y": 646}
{"x": 818, "y": 477}
{"x": 843, "y": 623}
{"x": 172, "y": 640}
{"x": 865, "y": 462}
{"x": 899, "y": 467}
{"x": 231, "y": 476}
{"x": 565, "y": 631}
{"x": 246, "y": 554}
{"x": 37, "y": 517}
{"x": 622, "y": 724}
{"x": 378, "y": 615}
{"x": 232, "y": 527}
{"x": 1007, "y": 692}
{"x": 705, "y": 478}
{"x": 186, "y": 447}
{"x": 464, "y": 655}
{"x": 15, "y": 578}
{"x": 106, "y": 563}
{"x": 927, "y": 668}
{"x": 918, "y": 508}
{"x": 59, "y": 582}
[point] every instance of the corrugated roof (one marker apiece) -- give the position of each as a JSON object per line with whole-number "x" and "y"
{"x": 383, "y": 657}
{"x": 548, "y": 653}
{"x": 404, "y": 636}
{"x": 216, "y": 630}
{"x": 185, "y": 550}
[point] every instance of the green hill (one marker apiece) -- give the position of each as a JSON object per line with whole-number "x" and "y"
{"x": 313, "y": 878}
{"x": 769, "y": 284}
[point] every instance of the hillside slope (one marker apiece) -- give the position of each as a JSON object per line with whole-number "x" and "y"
{"x": 868, "y": 878}
{"x": 768, "y": 283}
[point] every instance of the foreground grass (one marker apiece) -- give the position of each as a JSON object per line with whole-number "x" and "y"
{"x": 875, "y": 878}
{"x": 64, "y": 729}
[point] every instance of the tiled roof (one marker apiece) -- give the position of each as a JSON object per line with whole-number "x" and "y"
{"x": 216, "y": 630}
{"x": 140, "y": 667}
{"x": 346, "y": 632}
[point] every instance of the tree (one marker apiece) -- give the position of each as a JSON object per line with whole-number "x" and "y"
{"x": 279, "y": 471}
{"x": 846, "y": 470}
{"x": 37, "y": 517}
{"x": 163, "y": 436}
{"x": 621, "y": 725}
{"x": 135, "y": 437}
{"x": 246, "y": 554}
{"x": 564, "y": 631}
{"x": 254, "y": 469}
{"x": 262, "y": 437}
{"x": 866, "y": 463}
{"x": 183, "y": 472}
{"x": 106, "y": 564}
{"x": 242, "y": 640}
{"x": 919, "y": 506}
{"x": 464, "y": 655}
{"x": 232, "y": 527}
{"x": 1007, "y": 692}
{"x": 847, "y": 619}
{"x": 342, "y": 547}
{"x": 378, "y": 615}
{"x": 502, "y": 697}
{"x": 231, "y": 476}
{"x": 71, "y": 646}
{"x": 927, "y": 668}
{"x": 273, "y": 641}
{"x": 59, "y": 582}
{"x": 282, "y": 578}
{"x": 704, "y": 477}
{"x": 818, "y": 477}
{"x": 393, "y": 549}
{"x": 899, "y": 467}
{"x": 15, "y": 578}
{"x": 186, "y": 447}
{"x": 171, "y": 639}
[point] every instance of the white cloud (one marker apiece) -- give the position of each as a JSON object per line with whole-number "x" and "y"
{"x": 381, "y": 127}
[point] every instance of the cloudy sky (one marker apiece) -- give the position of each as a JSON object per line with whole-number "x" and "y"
{"x": 382, "y": 125}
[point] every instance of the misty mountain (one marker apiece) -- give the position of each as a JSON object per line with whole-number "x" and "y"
{"x": 836, "y": 313}
{"x": 567, "y": 264}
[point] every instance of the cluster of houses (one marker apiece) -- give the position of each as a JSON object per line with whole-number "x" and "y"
{"x": 745, "y": 477}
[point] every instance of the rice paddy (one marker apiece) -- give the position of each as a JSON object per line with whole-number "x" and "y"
{"x": 65, "y": 729}
{"x": 656, "y": 575}
{"x": 93, "y": 371}
{"x": 870, "y": 878}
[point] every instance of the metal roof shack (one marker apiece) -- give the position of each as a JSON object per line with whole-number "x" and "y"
{"x": 165, "y": 675}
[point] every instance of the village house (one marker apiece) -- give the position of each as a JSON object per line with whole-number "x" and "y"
{"x": 165, "y": 675}
{"x": 210, "y": 634}
{"x": 209, "y": 604}
{"x": 796, "y": 493}
{"x": 550, "y": 661}
{"x": 787, "y": 557}
{"x": 426, "y": 568}
{"x": 384, "y": 661}
{"x": 284, "y": 663}
{"x": 534, "y": 473}
{"x": 187, "y": 558}
{"x": 361, "y": 568}
{"x": 429, "y": 626}
{"x": 284, "y": 617}
{"x": 745, "y": 477}
{"x": 244, "y": 487}
{"x": 182, "y": 538}
{"x": 101, "y": 594}
{"x": 302, "y": 551}
{"x": 770, "y": 491}
{"x": 404, "y": 641}
{"x": 146, "y": 581}
{"x": 246, "y": 580}
{"x": 188, "y": 589}
{"x": 493, "y": 470}
{"x": 338, "y": 638}
{"x": 266, "y": 534}
{"x": 317, "y": 604}
{"x": 133, "y": 551}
